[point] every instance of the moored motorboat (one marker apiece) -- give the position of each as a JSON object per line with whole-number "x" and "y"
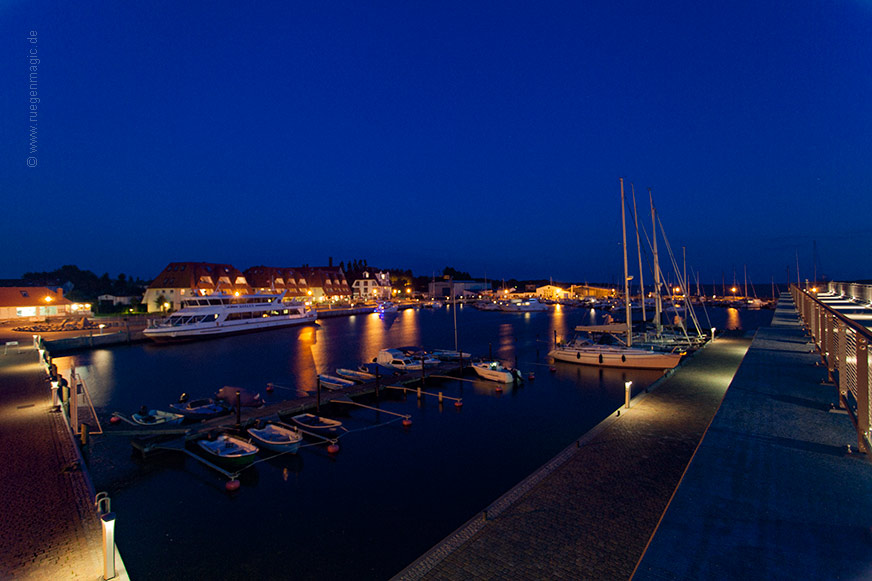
{"x": 277, "y": 437}
{"x": 318, "y": 424}
{"x": 229, "y": 450}
{"x": 147, "y": 417}
{"x": 386, "y": 307}
{"x": 334, "y": 383}
{"x": 396, "y": 359}
{"x": 200, "y": 409}
{"x": 496, "y": 371}
{"x": 355, "y": 375}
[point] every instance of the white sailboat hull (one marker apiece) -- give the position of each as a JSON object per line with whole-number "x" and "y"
{"x": 616, "y": 357}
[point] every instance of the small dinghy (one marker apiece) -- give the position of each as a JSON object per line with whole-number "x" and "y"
{"x": 147, "y": 417}
{"x": 277, "y": 437}
{"x": 355, "y": 375}
{"x": 229, "y": 450}
{"x": 200, "y": 409}
{"x": 318, "y": 424}
{"x": 334, "y": 383}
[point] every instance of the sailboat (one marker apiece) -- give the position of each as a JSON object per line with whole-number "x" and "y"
{"x": 600, "y": 344}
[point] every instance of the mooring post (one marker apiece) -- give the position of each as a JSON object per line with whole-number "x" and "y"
{"x": 74, "y": 403}
{"x": 423, "y": 377}
{"x": 627, "y": 385}
{"x": 318, "y": 400}
{"x": 377, "y": 378}
{"x": 238, "y": 409}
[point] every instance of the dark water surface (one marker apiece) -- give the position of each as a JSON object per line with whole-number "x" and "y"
{"x": 391, "y": 493}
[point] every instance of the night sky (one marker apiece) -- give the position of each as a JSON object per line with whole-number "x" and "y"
{"x": 486, "y": 137}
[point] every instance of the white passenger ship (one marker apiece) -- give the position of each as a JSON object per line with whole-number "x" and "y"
{"x": 222, "y": 314}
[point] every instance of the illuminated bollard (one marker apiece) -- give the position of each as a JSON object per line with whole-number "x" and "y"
{"x": 713, "y": 334}
{"x": 627, "y": 385}
{"x": 108, "y": 522}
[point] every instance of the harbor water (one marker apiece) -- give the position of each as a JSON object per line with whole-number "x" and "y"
{"x": 392, "y": 492}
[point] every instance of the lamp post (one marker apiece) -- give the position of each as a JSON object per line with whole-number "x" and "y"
{"x": 108, "y": 523}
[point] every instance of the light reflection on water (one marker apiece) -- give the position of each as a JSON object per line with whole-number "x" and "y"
{"x": 464, "y": 458}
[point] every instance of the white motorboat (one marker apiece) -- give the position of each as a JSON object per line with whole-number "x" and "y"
{"x": 496, "y": 371}
{"x": 355, "y": 375}
{"x": 222, "y": 314}
{"x": 318, "y": 425}
{"x": 386, "y": 307}
{"x": 402, "y": 361}
{"x": 334, "y": 383}
{"x": 148, "y": 417}
{"x": 277, "y": 437}
{"x": 230, "y": 450}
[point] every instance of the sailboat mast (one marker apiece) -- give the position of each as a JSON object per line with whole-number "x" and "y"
{"x": 629, "y": 307}
{"x": 639, "y": 249}
{"x": 658, "y": 306}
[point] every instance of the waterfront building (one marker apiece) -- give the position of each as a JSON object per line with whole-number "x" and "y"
{"x": 180, "y": 280}
{"x": 269, "y": 280}
{"x": 551, "y": 293}
{"x": 327, "y": 283}
{"x": 439, "y": 289}
{"x": 580, "y": 291}
{"x": 370, "y": 284}
{"x": 36, "y": 303}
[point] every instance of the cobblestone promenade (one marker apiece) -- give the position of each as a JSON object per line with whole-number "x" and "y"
{"x": 48, "y": 529}
{"x": 590, "y": 512}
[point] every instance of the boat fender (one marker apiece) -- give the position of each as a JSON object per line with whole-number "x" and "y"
{"x": 601, "y": 358}
{"x": 578, "y": 356}
{"x": 623, "y": 358}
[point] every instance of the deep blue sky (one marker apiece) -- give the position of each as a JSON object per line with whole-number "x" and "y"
{"x": 488, "y": 137}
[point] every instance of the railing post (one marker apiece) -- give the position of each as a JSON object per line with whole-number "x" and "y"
{"x": 863, "y": 411}
{"x": 825, "y": 341}
{"x": 833, "y": 339}
{"x": 842, "y": 355}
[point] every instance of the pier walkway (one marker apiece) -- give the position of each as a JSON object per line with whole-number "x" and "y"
{"x": 588, "y": 513}
{"x": 49, "y": 528}
{"x": 773, "y": 492}
{"x": 770, "y": 490}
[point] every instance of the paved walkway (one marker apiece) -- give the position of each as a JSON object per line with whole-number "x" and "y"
{"x": 49, "y": 528}
{"x": 772, "y": 492}
{"x": 589, "y": 513}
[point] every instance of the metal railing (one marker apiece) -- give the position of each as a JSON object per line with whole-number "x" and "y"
{"x": 844, "y": 347}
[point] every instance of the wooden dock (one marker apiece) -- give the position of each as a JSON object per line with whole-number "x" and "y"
{"x": 148, "y": 439}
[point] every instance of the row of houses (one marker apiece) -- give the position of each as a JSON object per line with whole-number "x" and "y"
{"x": 318, "y": 284}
